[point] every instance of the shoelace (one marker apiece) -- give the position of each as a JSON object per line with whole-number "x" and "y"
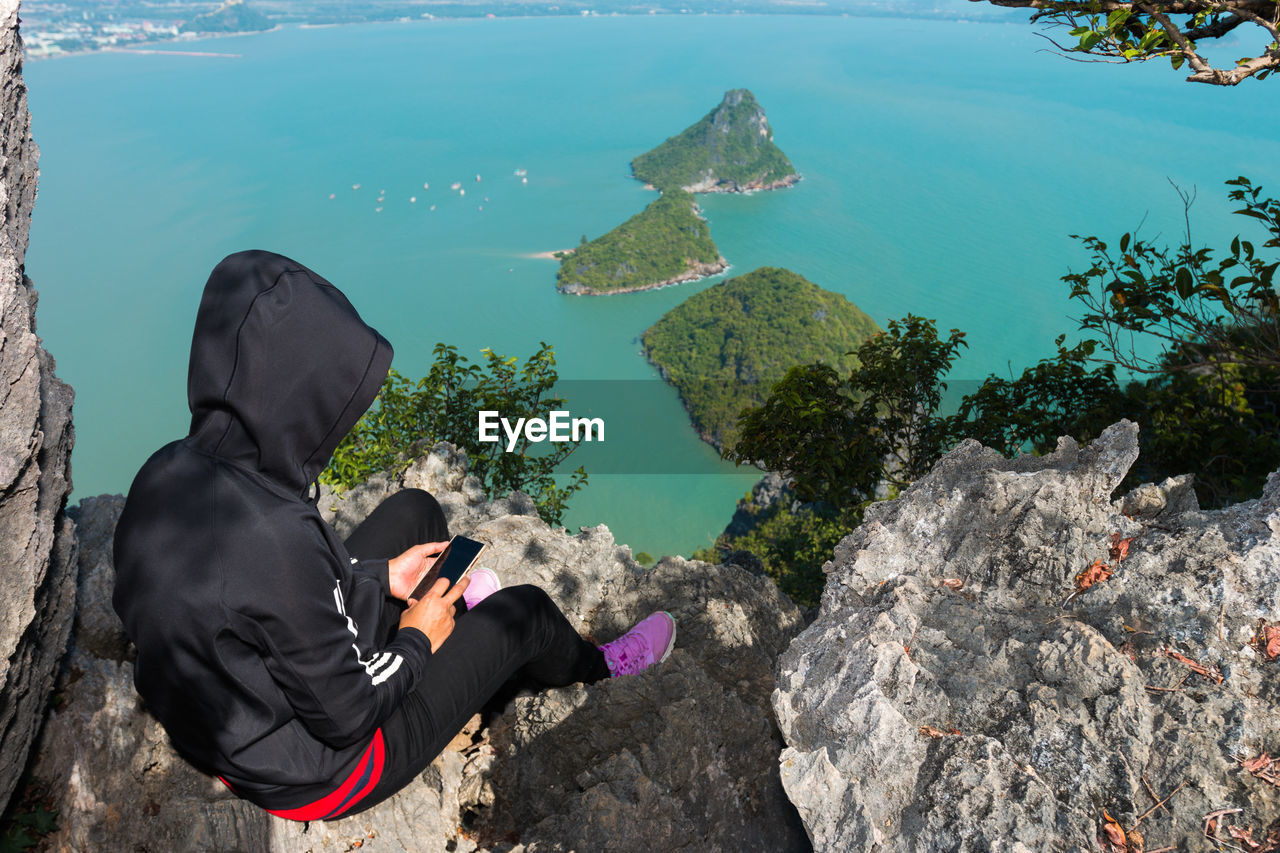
{"x": 627, "y": 654}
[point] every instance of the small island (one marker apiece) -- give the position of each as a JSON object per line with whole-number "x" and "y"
{"x": 666, "y": 243}
{"x": 725, "y": 348}
{"x": 730, "y": 150}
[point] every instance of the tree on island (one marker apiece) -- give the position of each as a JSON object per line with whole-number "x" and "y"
{"x": 666, "y": 243}
{"x": 730, "y": 149}
{"x": 1115, "y": 31}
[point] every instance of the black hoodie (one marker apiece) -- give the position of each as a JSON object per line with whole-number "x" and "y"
{"x": 255, "y": 630}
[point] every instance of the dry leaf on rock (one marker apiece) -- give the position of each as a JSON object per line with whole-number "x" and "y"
{"x": 1119, "y": 547}
{"x": 1096, "y": 573}
{"x": 1209, "y": 672}
{"x": 1115, "y": 832}
{"x": 930, "y": 731}
{"x": 1264, "y": 767}
{"x": 1267, "y": 640}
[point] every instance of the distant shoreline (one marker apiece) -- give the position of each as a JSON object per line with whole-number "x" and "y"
{"x": 165, "y": 47}
{"x": 165, "y": 52}
{"x": 784, "y": 12}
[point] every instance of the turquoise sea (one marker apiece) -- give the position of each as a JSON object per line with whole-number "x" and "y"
{"x": 945, "y": 165}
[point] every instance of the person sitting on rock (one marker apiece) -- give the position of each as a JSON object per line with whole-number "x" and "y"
{"x": 277, "y": 656}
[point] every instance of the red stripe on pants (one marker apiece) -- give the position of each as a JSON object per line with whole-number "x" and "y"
{"x": 343, "y": 798}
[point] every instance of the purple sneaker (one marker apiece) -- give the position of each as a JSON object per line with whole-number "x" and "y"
{"x": 649, "y": 642}
{"x": 484, "y": 583}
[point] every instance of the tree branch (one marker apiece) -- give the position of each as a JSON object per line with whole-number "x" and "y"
{"x": 1194, "y": 59}
{"x": 1269, "y": 26}
{"x": 1243, "y": 71}
{"x": 1217, "y": 28}
{"x": 1226, "y": 16}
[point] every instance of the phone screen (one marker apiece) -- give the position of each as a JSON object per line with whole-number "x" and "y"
{"x": 452, "y": 563}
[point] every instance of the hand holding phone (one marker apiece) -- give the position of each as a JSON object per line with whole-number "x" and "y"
{"x": 452, "y": 563}
{"x": 433, "y": 613}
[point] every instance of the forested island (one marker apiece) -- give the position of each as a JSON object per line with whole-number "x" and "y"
{"x": 666, "y": 243}
{"x": 730, "y": 150}
{"x": 726, "y": 347}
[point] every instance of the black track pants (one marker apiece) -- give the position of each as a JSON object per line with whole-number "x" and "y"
{"x": 516, "y": 633}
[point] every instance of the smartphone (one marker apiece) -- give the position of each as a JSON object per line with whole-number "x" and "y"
{"x": 453, "y": 562}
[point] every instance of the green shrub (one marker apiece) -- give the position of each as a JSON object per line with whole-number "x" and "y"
{"x": 444, "y": 406}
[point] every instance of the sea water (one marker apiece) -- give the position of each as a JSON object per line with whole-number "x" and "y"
{"x": 945, "y": 165}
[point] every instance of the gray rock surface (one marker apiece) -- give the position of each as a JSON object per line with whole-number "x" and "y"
{"x": 1004, "y": 715}
{"x": 684, "y": 755}
{"x": 37, "y": 542}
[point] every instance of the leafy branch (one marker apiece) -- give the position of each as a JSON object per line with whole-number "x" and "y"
{"x": 1112, "y": 31}
{"x": 1206, "y": 313}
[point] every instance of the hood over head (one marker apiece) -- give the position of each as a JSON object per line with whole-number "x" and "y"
{"x": 281, "y": 368}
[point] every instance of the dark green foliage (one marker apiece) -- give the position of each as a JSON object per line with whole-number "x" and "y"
{"x": 1204, "y": 312}
{"x": 233, "y": 16}
{"x": 792, "y": 546}
{"x": 27, "y": 820}
{"x": 1219, "y": 423}
{"x": 732, "y": 146}
{"x": 839, "y": 437}
{"x": 1209, "y": 404}
{"x": 665, "y": 240}
{"x": 725, "y": 347}
{"x": 443, "y": 406}
{"x": 1064, "y": 395}
{"x": 1222, "y": 424}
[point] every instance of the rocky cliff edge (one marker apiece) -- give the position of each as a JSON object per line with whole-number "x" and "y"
{"x": 36, "y": 540}
{"x": 958, "y": 692}
{"x": 681, "y": 757}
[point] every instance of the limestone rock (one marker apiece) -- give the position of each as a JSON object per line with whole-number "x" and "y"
{"x": 1174, "y": 496}
{"x": 684, "y": 755}
{"x": 37, "y": 542}
{"x": 1007, "y": 714}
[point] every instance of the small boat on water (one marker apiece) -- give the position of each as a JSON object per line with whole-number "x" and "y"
{"x": 456, "y": 185}
{"x": 462, "y": 192}
{"x": 426, "y": 186}
{"x": 524, "y": 180}
{"x": 332, "y": 195}
{"x": 377, "y": 210}
{"x": 413, "y": 199}
{"x": 520, "y": 173}
{"x": 355, "y": 186}
{"x": 477, "y": 179}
